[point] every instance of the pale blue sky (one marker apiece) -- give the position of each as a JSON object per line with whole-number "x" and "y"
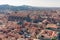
{"x": 41, "y": 3}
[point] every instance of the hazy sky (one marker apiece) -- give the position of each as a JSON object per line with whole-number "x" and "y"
{"x": 41, "y": 3}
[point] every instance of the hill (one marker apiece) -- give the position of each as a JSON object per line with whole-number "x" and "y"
{"x": 24, "y": 7}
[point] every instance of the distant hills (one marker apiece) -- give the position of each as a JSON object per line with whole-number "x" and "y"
{"x": 24, "y": 7}
{"x": 17, "y": 8}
